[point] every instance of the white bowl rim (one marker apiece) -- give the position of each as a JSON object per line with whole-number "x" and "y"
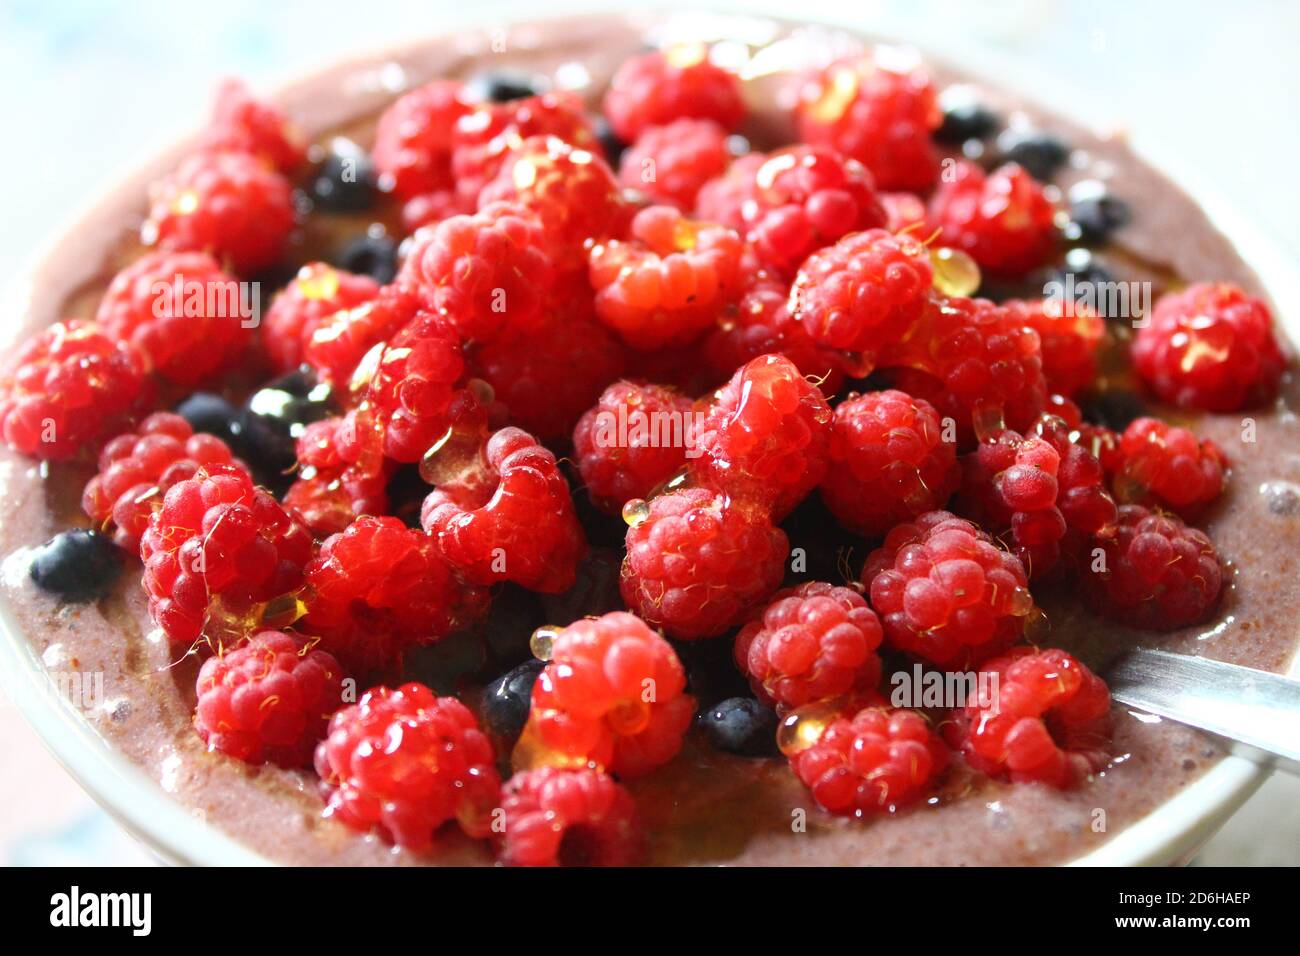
{"x": 1166, "y": 834}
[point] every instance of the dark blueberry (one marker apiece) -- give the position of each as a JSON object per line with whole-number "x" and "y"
{"x": 502, "y": 86}
{"x": 594, "y": 593}
{"x": 76, "y": 565}
{"x": 1081, "y": 276}
{"x": 374, "y": 255}
{"x": 210, "y": 413}
{"x": 1114, "y": 408}
{"x": 506, "y": 700}
{"x": 1095, "y": 214}
{"x": 742, "y": 726}
{"x": 270, "y": 422}
{"x": 609, "y": 141}
{"x": 515, "y": 613}
{"x": 446, "y": 666}
{"x": 1040, "y": 153}
{"x": 711, "y": 672}
{"x": 966, "y": 120}
{"x": 344, "y": 180}
{"x": 820, "y": 548}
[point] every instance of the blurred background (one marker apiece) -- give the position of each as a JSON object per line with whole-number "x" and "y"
{"x": 91, "y": 86}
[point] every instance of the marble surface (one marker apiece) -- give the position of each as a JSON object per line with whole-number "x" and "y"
{"x": 92, "y": 86}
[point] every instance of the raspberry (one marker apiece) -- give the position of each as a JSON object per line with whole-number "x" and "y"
{"x": 515, "y": 522}
{"x": 243, "y": 124}
{"x": 1002, "y": 220}
{"x": 1155, "y": 573}
{"x": 580, "y": 817}
{"x": 612, "y": 697}
{"x": 1071, "y": 335}
{"x": 225, "y": 204}
{"x": 696, "y": 563}
{"x": 429, "y": 209}
{"x": 413, "y": 139}
{"x": 864, "y": 292}
{"x": 634, "y": 439}
{"x": 946, "y": 592}
{"x": 303, "y": 306}
{"x": 137, "y": 468}
{"x": 667, "y": 284}
{"x": 1210, "y": 346}
{"x": 486, "y": 139}
{"x": 547, "y": 378}
{"x": 187, "y": 317}
{"x": 342, "y": 473}
{"x": 793, "y": 202}
{"x": 379, "y": 588}
{"x": 68, "y": 387}
{"x": 268, "y": 700}
{"x": 1161, "y": 465}
{"x": 877, "y": 761}
{"x": 680, "y": 82}
{"x": 1050, "y": 722}
{"x": 338, "y": 345}
{"x": 570, "y": 189}
{"x": 765, "y": 436}
{"x": 670, "y": 163}
{"x": 215, "y": 552}
{"x": 404, "y": 762}
{"x": 482, "y": 272}
{"x": 880, "y": 116}
{"x": 906, "y": 212}
{"x": 810, "y": 643}
{"x": 888, "y": 462}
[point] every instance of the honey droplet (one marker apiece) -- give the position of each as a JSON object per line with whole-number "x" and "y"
{"x": 636, "y": 511}
{"x": 543, "y": 640}
{"x": 804, "y": 726}
{"x": 955, "y": 273}
{"x": 531, "y": 752}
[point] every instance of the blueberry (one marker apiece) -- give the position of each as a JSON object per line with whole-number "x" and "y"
{"x": 445, "y": 666}
{"x": 374, "y": 255}
{"x": 344, "y": 181}
{"x": 270, "y": 422}
{"x": 966, "y": 120}
{"x": 1041, "y": 154}
{"x": 609, "y": 141}
{"x": 1095, "y": 214}
{"x": 1114, "y": 408}
{"x": 711, "y": 672}
{"x": 210, "y": 413}
{"x": 1081, "y": 273}
{"x": 742, "y": 726}
{"x": 515, "y": 613}
{"x": 595, "y": 592}
{"x": 506, "y": 700}
{"x": 502, "y": 86}
{"x": 76, "y": 565}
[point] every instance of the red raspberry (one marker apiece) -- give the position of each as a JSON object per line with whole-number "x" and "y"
{"x": 793, "y": 202}
{"x": 612, "y": 697}
{"x": 810, "y": 643}
{"x": 485, "y": 139}
{"x": 68, "y": 387}
{"x": 906, "y": 212}
{"x": 561, "y": 817}
{"x": 1210, "y": 346}
{"x": 680, "y": 82}
{"x": 303, "y": 306}
{"x": 765, "y": 436}
{"x": 697, "y": 563}
{"x": 413, "y": 139}
{"x": 1071, "y": 335}
{"x": 549, "y": 377}
{"x": 571, "y": 190}
{"x": 888, "y": 462}
{"x": 187, "y": 317}
{"x": 863, "y": 293}
{"x": 634, "y": 439}
{"x": 1002, "y": 220}
{"x": 342, "y": 473}
{"x": 336, "y": 349}
{"x": 137, "y": 468}
{"x": 379, "y": 588}
{"x": 881, "y": 116}
{"x": 1050, "y": 721}
{"x": 483, "y": 273}
{"x": 268, "y": 700}
{"x": 670, "y": 163}
{"x": 225, "y": 204}
{"x": 670, "y": 282}
{"x": 1155, "y": 572}
{"x": 514, "y": 522}
{"x": 1164, "y": 466}
{"x": 946, "y": 592}
{"x": 429, "y": 209}
{"x": 877, "y": 761}
{"x": 243, "y": 124}
{"x": 404, "y": 762}
{"x": 215, "y": 552}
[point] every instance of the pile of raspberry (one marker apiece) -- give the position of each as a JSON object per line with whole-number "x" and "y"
{"x": 621, "y": 390}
